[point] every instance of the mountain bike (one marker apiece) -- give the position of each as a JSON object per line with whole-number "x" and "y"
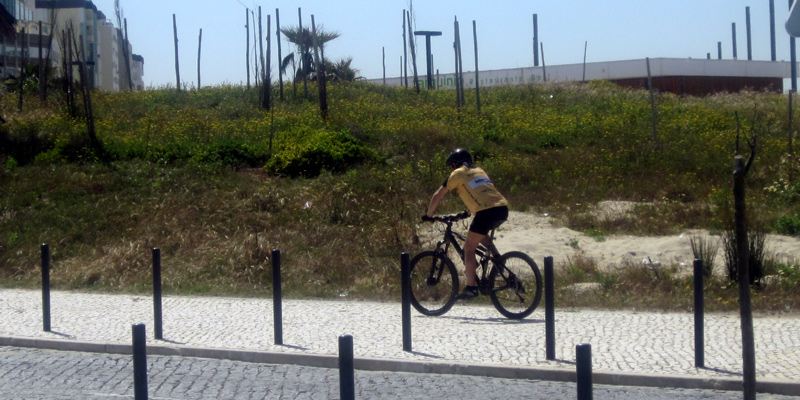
{"x": 511, "y": 280}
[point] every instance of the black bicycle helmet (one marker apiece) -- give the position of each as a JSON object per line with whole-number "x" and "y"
{"x": 458, "y": 158}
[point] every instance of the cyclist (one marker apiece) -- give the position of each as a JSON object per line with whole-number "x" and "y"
{"x": 488, "y": 207}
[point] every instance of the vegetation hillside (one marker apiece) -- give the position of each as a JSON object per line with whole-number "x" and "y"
{"x": 217, "y": 183}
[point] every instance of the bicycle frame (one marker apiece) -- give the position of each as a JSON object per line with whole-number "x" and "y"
{"x": 455, "y": 239}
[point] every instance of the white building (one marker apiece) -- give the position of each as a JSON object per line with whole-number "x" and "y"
{"x": 94, "y": 39}
{"x": 107, "y": 61}
{"x": 676, "y": 75}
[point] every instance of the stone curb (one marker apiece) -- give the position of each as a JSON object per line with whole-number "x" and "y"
{"x": 419, "y": 367}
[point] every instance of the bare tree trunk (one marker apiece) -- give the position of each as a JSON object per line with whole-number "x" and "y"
{"x": 544, "y": 64}
{"x": 41, "y": 64}
{"x": 303, "y": 62}
{"x": 653, "y": 111}
{"x": 280, "y": 55}
{"x": 404, "y": 61}
{"x": 262, "y": 95}
{"x": 460, "y": 74}
{"x": 127, "y": 55}
{"x": 247, "y": 47}
{"x": 743, "y": 267}
{"x": 268, "y": 74}
{"x": 48, "y": 59}
{"x": 455, "y": 74}
{"x": 86, "y": 93}
{"x": 790, "y": 135}
{"x": 477, "y": 80}
{"x": 323, "y": 94}
{"x": 177, "y": 66}
{"x": 256, "y": 71}
{"x": 23, "y": 60}
{"x": 413, "y": 52}
{"x": 199, "y": 50}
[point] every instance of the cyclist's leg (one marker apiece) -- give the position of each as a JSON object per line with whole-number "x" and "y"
{"x": 470, "y": 263}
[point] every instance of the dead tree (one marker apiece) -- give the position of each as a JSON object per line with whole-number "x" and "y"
{"x": 477, "y": 80}
{"x": 247, "y": 47}
{"x": 323, "y": 92}
{"x": 280, "y": 56}
{"x": 261, "y": 59}
{"x": 199, "y": 49}
{"x": 743, "y": 268}
{"x": 177, "y": 66}
{"x": 303, "y": 62}
{"x": 86, "y": 94}
{"x": 268, "y": 75}
{"x": 413, "y": 51}
{"x": 123, "y": 24}
{"x": 23, "y": 65}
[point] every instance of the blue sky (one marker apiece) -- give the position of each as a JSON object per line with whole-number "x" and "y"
{"x": 614, "y": 29}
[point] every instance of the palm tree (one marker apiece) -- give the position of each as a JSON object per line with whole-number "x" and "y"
{"x": 341, "y": 71}
{"x": 304, "y": 41}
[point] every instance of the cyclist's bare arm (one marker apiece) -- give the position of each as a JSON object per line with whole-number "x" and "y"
{"x": 436, "y": 199}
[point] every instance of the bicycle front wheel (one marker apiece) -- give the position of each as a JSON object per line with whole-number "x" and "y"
{"x": 516, "y": 285}
{"x": 434, "y": 283}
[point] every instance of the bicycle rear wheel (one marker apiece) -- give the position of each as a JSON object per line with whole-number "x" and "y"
{"x": 516, "y": 285}
{"x": 434, "y": 283}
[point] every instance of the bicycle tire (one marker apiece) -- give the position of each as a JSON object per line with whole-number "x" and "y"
{"x": 433, "y": 296}
{"x": 511, "y": 296}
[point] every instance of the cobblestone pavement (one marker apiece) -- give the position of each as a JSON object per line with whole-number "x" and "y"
{"x": 622, "y": 341}
{"x": 60, "y": 375}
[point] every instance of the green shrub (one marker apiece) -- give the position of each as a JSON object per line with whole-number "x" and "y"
{"x": 788, "y": 224}
{"x": 317, "y": 150}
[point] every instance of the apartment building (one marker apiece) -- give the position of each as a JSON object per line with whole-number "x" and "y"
{"x": 73, "y": 24}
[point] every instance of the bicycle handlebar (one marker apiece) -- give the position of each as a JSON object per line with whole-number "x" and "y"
{"x": 446, "y": 218}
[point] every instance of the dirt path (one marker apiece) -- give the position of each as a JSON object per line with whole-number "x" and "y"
{"x": 539, "y": 237}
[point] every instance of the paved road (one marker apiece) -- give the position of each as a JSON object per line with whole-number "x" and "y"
{"x": 58, "y": 375}
{"x": 623, "y": 342}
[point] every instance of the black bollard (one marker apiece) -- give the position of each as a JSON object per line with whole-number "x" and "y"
{"x": 157, "y": 315}
{"x": 699, "y": 339}
{"x": 347, "y": 382}
{"x": 45, "y": 287}
{"x": 139, "y": 362}
{"x": 405, "y": 287}
{"x": 583, "y": 367}
{"x": 277, "y": 303}
{"x": 549, "y": 309}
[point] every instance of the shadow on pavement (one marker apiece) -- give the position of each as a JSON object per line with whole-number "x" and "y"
{"x": 421, "y": 354}
{"x": 63, "y": 335}
{"x": 720, "y": 370}
{"x": 293, "y": 347}
{"x": 494, "y": 320}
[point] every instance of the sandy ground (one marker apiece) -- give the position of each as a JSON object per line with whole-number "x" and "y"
{"x": 536, "y": 235}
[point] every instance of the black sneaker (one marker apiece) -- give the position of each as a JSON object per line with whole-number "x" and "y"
{"x": 469, "y": 293}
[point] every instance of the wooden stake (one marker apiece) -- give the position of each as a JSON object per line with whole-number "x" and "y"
{"x": 413, "y": 52}
{"x": 653, "y": 111}
{"x": 544, "y": 64}
{"x": 404, "y": 60}
{"x": 263, "y": 95}
{"x": 323, "y": 95}
{"x": 477, "y": 80}
{"x": 383, "y": 57}
{"x": 585, "y": 47}
{"x": 127, "y": 56}
{"x": 177, "y": 66}
{"x": 247, "y": 47}
{"x": 280, "y": 56}
{"x": 268, "y": 74}
{"x": 303, "y": 63}
{"x": 199, "y": 47}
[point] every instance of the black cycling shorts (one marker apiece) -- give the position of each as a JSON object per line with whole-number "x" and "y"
{"x": 488, "y": 219}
